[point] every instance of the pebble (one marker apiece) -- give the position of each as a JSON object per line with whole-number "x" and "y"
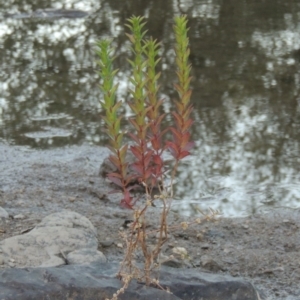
{"x": 3, "y": 213}
{"x": 106, "y": 243}
{"x": 173, "y": 263}
{"x": 200, "y": 236}
{"x": 181, "y": 251}
{"x": 209, "y": 263}
{"x": 205, "y": 246}
{"x": 19, "y": 217}
{"x": 85, "y": 256}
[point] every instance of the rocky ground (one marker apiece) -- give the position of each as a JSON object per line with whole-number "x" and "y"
{"x": 262, "y": 248}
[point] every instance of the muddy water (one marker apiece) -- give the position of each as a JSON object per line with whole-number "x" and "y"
{"x": 245, "y": 57}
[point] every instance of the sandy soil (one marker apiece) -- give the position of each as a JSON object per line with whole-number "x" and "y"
{"x": 260, "y": 248}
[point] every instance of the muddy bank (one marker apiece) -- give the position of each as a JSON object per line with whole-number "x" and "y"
{"x": 261, "y": 248}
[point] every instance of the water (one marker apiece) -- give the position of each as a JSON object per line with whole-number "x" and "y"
{"x": 245, "y": 57}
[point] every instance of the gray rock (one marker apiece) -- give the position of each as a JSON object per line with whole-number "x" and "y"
{"x": 85, "y": 256}
{"x": 58, "y": 234}
{"x": 19, "y": 217}
{"x": 53, "y": 261}
{"x": 97, "y": 281}
{"x": 3, "y": 213}
{"x": 173, "y": 263}
{"x": 106, "y": 243}
{"x": 210, "y": 264}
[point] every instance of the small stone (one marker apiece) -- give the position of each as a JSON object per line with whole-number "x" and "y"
{"x": 106, "y": 243}
{"x": 3, "y": 213}
{"x": 205, "y": 246}
{"x": 19, "y": 217}
{"x": 72, "y": 199}
{"x": 227, "y": 250}
{"x": 210, "y": 264}
{"x": 119, "y": 245}
{"x": 54, "y": 261}
{"x": 12, "y": 265}
{"x": 180, "y": 251}
{"x": 20, "y": 203}
{"x": 245, "y": 226}
{"x": 173, "y": 263}
{"x": 229, "y": 260}
{"x": 200, "y": 236}
{"x": 85, "y": 256}
{"x": 12, "y": 260}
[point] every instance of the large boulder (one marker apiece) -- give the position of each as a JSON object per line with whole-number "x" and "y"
{"x": 98, "y": 281}
{"x": 52, "y": 241}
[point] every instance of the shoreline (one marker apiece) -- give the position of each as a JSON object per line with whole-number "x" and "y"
{"x": 260, "y": 248}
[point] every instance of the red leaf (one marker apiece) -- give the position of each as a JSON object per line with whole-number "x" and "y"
{"x": 183, "y": 154}
{"x": 127, "y": 202}
{"x": 137, "y": 168}
{"x": 148, "y": 174}
{"x": 178, "y": 119}
{"x": 186, "y": 97}
{"x": 187, "y": 125}
{"x": 113, "y": 150}
{"x": 136, "y": 152}
{"x": 189, "y": 146}
{"x": 129, "y": 179}
{"x": 179, "y": 106}
{"x": 147, "y": 158}
{"x": 159, "y": 119}
{"x": 123, "y": 152}
{"x": 185, "y": 139}
{"x": 115, "y": 180}
{"x": 134, "y": 137}
{"x": 117, "y": 175}
{"x": 178, "y": 88}
{"x": 115, "y": 161}
{"x": 173, "y": 149}
{"x": 156, "y": 144}
{"x": 157, "y": 160}
{"x": 164, "y": 131}
{"x": 134, "y": 123}
{"x": 187, "y": 112}
{"x": 176, "y": 135}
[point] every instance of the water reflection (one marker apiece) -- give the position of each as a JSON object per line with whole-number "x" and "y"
{"x": 245, "y": 58}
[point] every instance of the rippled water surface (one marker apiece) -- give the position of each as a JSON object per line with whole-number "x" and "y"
{"x": 246, "y": 78}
